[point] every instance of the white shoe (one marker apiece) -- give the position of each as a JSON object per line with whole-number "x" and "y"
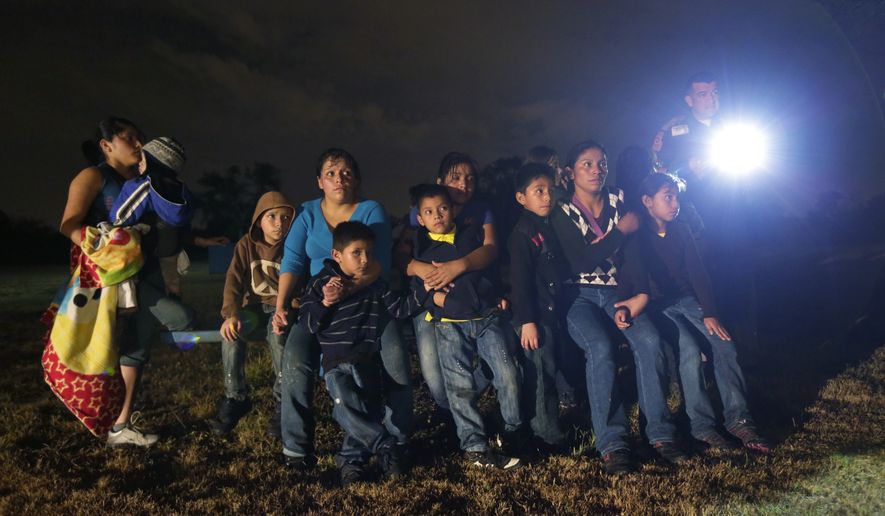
{"x": 130, "y": 434}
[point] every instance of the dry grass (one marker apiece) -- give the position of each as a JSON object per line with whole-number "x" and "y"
{"x": 826, "y": 412}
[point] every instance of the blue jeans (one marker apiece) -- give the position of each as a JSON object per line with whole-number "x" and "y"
{"x": 686, "y": 314}
{"x": 458, "y": 344}
{"x": 257, "y": 323}
{"x": 154, "y": 305}
{"x": 356, "y": 391}
{"x": 540, "y": 400}
{"x": 301, "y": 362}
{"x": 428, "y": 358}
{"x": 588, "y": 319}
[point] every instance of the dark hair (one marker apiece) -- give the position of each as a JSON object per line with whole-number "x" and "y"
{"x": 540, "y": 154}
{"x": 452, "y": 160}
{"x": 423, "y": 191}
{"x": 652, "y": 184}
{"x": 112, "y": 126}
{"x": 351, "y": 231}
{"x": 577, "y": 149}
{"x": 336, "y": 154}
{"x": 702, "y": 76}
{"x": 528, "y": 173}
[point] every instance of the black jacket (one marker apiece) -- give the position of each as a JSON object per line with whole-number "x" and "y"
{"x": 473, "y": 294}
{"x": 537, "y": 271}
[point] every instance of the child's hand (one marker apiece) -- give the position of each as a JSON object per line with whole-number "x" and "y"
{"x": 333, "y": 291}
{"x": 280, "y": 321}
{"x": 628, "y": 223}
{"x": 529, "y": 336}
{"x": 445, "y": 273}
{"x": 439, "y": 299}
{"x": 230, "y": 328}
{"x": 622, "y": 317}
{"x": 714, "y": 327}
{"x": 635, "y": 304}
{"x": 503, "y": 304}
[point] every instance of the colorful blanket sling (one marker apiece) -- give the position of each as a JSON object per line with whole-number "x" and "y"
{"x": 80, "y": 360}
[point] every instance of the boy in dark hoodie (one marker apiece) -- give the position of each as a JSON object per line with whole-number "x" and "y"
{"x": 467, "y": 323}
{"x": 250, "y": 296}
{"x": 349, "y": 333}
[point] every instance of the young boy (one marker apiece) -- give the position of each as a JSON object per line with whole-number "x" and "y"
{"x": 676, "y": 269}
{"x": 250, "y": 295}
{"x": 537, "y": 271}
{"x": 349, "y": 332}
{"x": 467, "y": 323}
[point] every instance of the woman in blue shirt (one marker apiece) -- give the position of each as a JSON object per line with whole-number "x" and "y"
{"x": 308, "y": 243}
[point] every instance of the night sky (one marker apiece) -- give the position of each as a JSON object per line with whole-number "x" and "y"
{"x": 401, "y": 83}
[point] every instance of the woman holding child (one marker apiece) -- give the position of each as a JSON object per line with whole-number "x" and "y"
{"x": 91, "y": 196}
{"x": 308, "y": 243}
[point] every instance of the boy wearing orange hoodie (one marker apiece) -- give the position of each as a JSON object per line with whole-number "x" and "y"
{"x": 250, "y": 295}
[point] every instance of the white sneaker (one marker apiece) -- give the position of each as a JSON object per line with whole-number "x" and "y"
{"x": 130, "y": 434}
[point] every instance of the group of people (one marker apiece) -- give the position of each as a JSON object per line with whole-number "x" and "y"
{"x": 584, "y": 271}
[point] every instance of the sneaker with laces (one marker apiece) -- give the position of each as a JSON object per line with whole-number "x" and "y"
{"x": 670, "y": 452}
{"x": 230, "y": 411}
{"x": 352, "y": 473}
{"x": 745, "y": 430}
{"x": 274, "y": 423}
{"x": 131, "y": 435}
{"x": 716, "y": 441}
{"x": 491, "y": 459}
{"x": 617, "y": 462}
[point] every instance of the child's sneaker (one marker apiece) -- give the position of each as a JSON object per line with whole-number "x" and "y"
{"x": 491, "y": 459}
{"x": 274, "y": 424}
{"x": 351, "y": 473}
{"x": 391, "y": 459}
{"x": 230, "y": 411}
{"x": 617, "y": 462}
{"x": 131, "y": 435}
{"x": 745, "y": 430}
{"x": 716, "y": 441}
{"x": 670, "y": 452}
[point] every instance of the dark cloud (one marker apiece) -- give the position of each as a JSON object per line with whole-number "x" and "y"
{"x": 401, "y": 83}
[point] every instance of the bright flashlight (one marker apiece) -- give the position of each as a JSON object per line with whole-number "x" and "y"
{"x": 739, "y": 148}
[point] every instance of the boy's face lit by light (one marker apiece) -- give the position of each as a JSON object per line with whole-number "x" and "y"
{"x": 435, "y": 214}
{"x": 537, "y": 197}
{"x": 275, "y": 223}
{"x": 664, "y": 206}
{"x": 354, "y": 259}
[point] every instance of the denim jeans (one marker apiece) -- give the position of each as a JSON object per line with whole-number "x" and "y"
{"x": 154, "y": 305}
{"x": 687, "y": 315}
{"x": 540, "y": 400}
{"x": 301, "y": 362}
{"x": 428, "y": 358}
{"x": 458, "y": 344}
{"x": 257, "y": 323}
{"x": 588, "y": 319}
{"x": 356, "y": 391}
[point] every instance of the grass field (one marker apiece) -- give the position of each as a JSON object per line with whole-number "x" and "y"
{"x": 824, "y": 407}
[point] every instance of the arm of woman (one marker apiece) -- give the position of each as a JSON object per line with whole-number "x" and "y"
{"x": 82, "y": 192}
{"x": 478, "y": 259}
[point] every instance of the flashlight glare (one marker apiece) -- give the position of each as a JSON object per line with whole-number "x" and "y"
{"x": 739, "y": 149}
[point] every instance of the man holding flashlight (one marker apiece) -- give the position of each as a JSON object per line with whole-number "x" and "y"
{"x": 680, "y": 146}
